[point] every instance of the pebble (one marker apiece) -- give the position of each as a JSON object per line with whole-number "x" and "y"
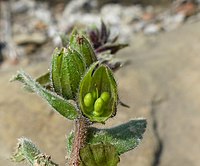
{"x": 172, "y": 22}
{"x": 35, "y": 38}
{"x": 152, "y": 29}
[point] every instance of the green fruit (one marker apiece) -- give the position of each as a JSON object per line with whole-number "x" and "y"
{"x": 99, "y": 81}
{"x": 105, "y": 96}
{"x": 88, "y": 100}
{"x": 98, "y": 107}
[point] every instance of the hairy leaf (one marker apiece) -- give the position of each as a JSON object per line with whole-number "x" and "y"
{"x": 61, "y": 105}
{"x": 26, "y": 150}
{"x": 123, "y": 137}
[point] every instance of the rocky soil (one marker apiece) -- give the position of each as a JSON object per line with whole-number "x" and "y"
{"x": 161, "y": 83}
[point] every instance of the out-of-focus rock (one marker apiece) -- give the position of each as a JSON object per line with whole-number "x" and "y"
{"x": 148, "y": 16}
{"x": 152, "y": 29}
{"x": 112, "y": 13}
{"x": 139, "y": 26}
{"x": 187, "y": 8}
{"x": 74, "y": 11}
{"x": 171, "y": 22}
{"x": 41, "y": 13}
{"x": 35, "y": 38}
{"x": 22, "y": 6}
{"x": 131, "y": 13}
{"x": 133, "y": 2}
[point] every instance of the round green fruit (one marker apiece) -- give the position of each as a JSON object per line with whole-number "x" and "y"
{"x": 105, "y": 96}
{"x": 88, "y": 100}
{"x": 98, "y": 107}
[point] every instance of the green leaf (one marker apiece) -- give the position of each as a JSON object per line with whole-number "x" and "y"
{"x": 80, "y": 43}
{"x": 97, "y": 82}
{"x": 123, "y": 137}
{"x": 99, "y": 155}
{"x": 43, "y": 80}
{"x": 61, "y": 105}
{"x": 26, "y": 150}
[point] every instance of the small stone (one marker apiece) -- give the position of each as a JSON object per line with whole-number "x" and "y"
{"x": 148, "y": 16}
{"x": 172, "y": 22}
{"x": 139, "y": 26}
{"x": 112, "y": 13}
{"x": 152, "y": 29}
{"x": 22, "y": 6}
{"x": 35, "y": 38}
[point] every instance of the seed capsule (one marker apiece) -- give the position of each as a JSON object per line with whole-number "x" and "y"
{"x": 105, "y": 96}
{"x": 98, "y": 107}
{"x": 99, "y": 82}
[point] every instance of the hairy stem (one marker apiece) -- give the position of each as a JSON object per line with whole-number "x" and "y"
{"x": 80, "y": 133}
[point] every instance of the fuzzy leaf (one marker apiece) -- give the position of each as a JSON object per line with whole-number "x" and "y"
{"x": 26, "y": 150}
{"x": 61, "y": 105}
{"x": 99, "y": 155}
{"x": 123, "y": 137}
{"x": 43, "y": 80}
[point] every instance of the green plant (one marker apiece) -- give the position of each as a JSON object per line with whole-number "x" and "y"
{"x": 82, "y": 88}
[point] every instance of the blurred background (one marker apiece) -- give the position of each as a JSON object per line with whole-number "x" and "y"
{"x": 160, "y": 82}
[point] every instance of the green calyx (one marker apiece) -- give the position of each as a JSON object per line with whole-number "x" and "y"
{"x": 67, "y": 68}
{"x": 98, "y": 93}
{"x": 69, "y": 64}
{"x": 79, "y": 42}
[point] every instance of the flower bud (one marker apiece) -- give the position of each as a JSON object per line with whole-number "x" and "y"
{"x": 80, "y": 43}
{"x": 98, "y": 93}
{"x": 67, "y": 69}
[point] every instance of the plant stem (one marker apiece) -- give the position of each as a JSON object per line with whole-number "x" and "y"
{"x": 80, "y": 133}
